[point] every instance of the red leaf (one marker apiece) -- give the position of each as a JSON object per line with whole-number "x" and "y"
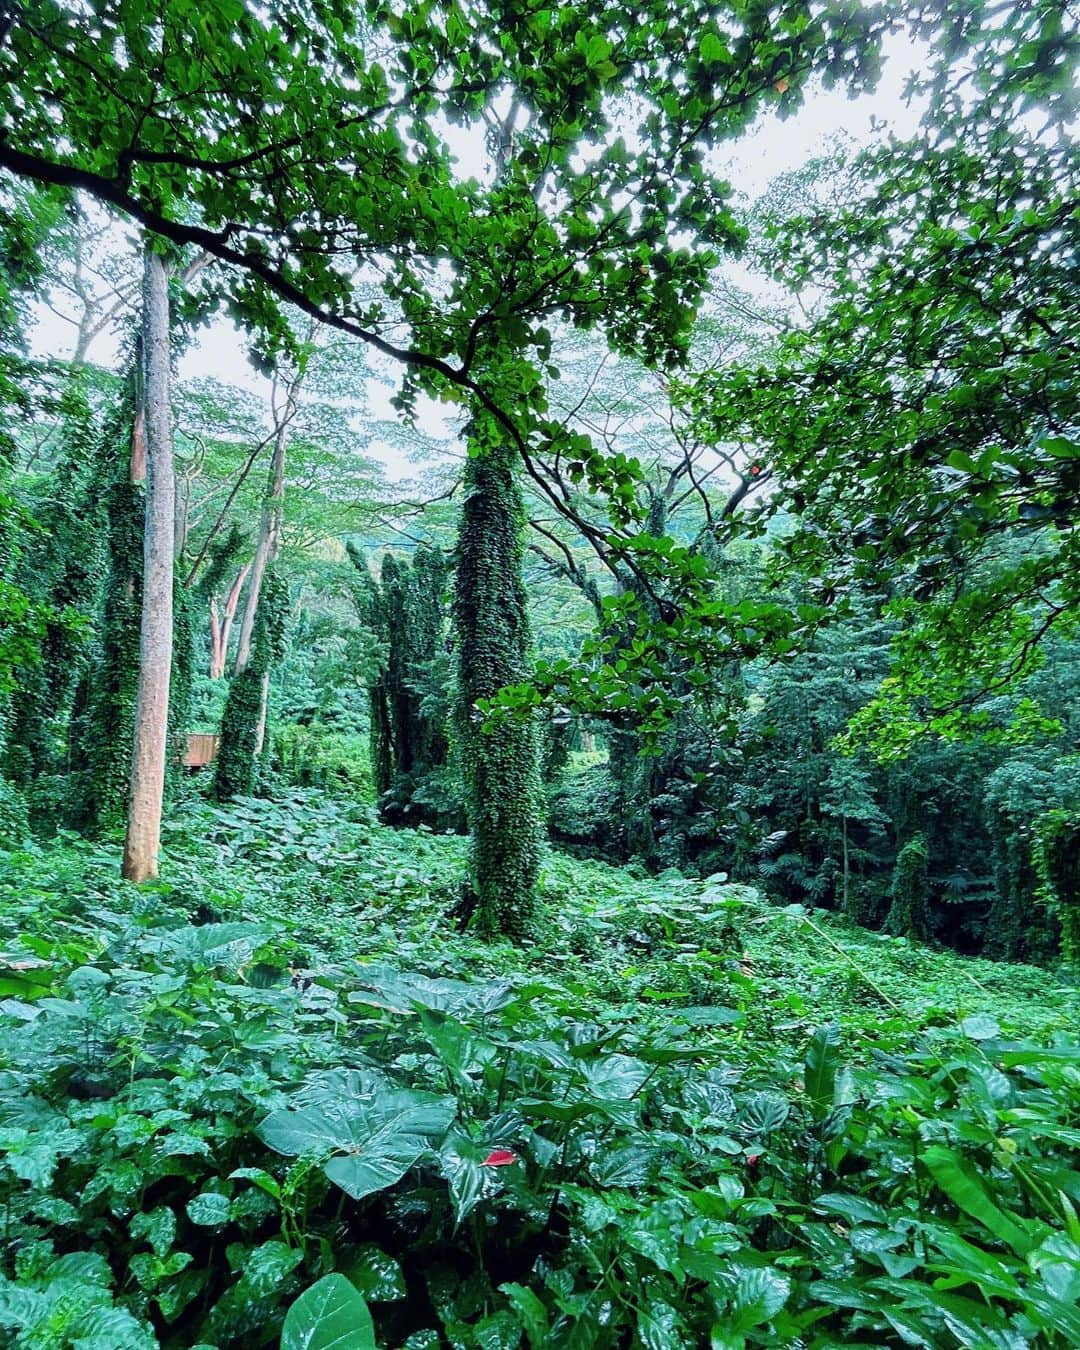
{"x": 499, "y": 1157}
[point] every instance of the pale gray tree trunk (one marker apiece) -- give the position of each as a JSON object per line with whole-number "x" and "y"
{"x": 269, "y": 542}
{"x": 221, "y": 625}
{"x": 264, "y": 704}
{"x": 143, "y": 840}
{"x": 270, "y": 522}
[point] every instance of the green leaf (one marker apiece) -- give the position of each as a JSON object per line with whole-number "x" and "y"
{"x": 765, "y": 1112}
{"x": 209, "y": 1210}
{"x": 376, "y": 1274}
{"x": 1060, "y": 447}
{"x": 470, "y": 1181}
{"x": 375, "y": 1131}
{"x": 822, "y": 1060}
{"x": 331, "y": 1315}
{"x": 157, "y": 1226}
{"x": 760, "y": 1293}
{"x": 964, "y": 1187}
{"x": 531, "y": 1312}
{"x": 616, "y": 1077}
{"x": 980, "y": 1027}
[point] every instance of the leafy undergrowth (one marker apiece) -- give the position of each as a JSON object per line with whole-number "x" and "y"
{"x": 685, "y": 1118}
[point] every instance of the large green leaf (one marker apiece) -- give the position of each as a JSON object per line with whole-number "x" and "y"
{"x": 760, "y": 1293}
{"x": 462, "y": 1161}
{"x": 964, "y": 1187}
{"x": 376, "y": 1274}
{"x": 616, "y": 1077}
{"x": 822, "y": 1061}
{"x": 403, "y": 991}
{"x": 531, "y": 1312}
{"x": 764, "y": 1112}
{"x": 331, "y": 1315}
{"x": 373, "y": 1131}
{"x": 462, "y": 1051}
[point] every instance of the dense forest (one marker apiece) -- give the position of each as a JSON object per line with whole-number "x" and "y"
{"x": 539, "y": 675}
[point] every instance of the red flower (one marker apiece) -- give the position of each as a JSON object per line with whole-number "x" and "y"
{"x": 752, "y": 1159}
{"x": 499, "y": 1157}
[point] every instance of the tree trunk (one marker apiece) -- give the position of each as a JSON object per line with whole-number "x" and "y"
{"x": 155, "y": 642}
{"x": 494, "y": 641}
{"x": 266, "y": 550}
{"x": 270, "y": 521}
{"x": 847, "y": 869}
{"x": 264, "y": 704}
{"x": 221, "y": 627}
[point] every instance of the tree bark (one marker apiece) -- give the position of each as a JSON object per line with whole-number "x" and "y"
{"x": 501, "y": 766}
{"x": 143, "y": 839}
{"x": 264, "y": 705}
{"x": 270, "y": 521}
{"x": 847, "y": 869}
{"x": 221, "y": 627}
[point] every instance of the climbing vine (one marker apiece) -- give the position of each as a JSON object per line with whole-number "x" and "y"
{"x": 59, "y": 570}
{"x": 237, "y": 768}
{"x": 1057, "y": 862}
{"x": 909, "y": 914}
{"x": 410, "y": 750}
{"x": 103, "y": 708}
{"x": 500, "y": 760}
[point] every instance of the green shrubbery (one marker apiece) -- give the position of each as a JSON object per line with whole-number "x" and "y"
{"x": 281, "y": 1063}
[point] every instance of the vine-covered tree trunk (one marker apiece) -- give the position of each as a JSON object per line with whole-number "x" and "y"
{"x": 405, "y": 611}
{"x": 243, "y": 721}
{"x": 501, "y": 765}
{"x": 104, "y": 713}
{"x": 909, "y": 914}
{"x": 59, "y": 565}
{"x": 1057, "y": 858}
{"x": 156, "y": 634}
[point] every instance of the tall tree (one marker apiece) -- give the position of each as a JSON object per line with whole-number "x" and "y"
{"x": 494, "y": 649}
{"x": 143, "y": 839}
{"x": 405, "y": 611}
{"x": 284, "y": 398}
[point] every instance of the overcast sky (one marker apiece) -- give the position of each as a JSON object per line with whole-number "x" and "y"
{"x": 772, "y": 147}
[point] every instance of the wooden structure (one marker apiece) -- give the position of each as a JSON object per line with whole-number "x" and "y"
{"x": 201, "y": 750}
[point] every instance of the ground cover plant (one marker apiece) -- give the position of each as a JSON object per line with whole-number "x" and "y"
{"x": 276, "y": 1083}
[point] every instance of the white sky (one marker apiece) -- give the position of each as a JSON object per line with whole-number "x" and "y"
{"x": 772, "y": 147}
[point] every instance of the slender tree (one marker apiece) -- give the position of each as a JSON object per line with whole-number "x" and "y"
{"x": 221, "y": 623}
{"x": 143, "y": 839}
{"x": 243, "y": 728}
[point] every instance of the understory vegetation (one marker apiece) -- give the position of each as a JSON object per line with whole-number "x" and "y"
{"x": 681, "y": 1116}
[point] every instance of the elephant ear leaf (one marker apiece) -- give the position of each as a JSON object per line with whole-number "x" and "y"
{"x": 331, "y": 1315}
{"x": 368, "y": 1132}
